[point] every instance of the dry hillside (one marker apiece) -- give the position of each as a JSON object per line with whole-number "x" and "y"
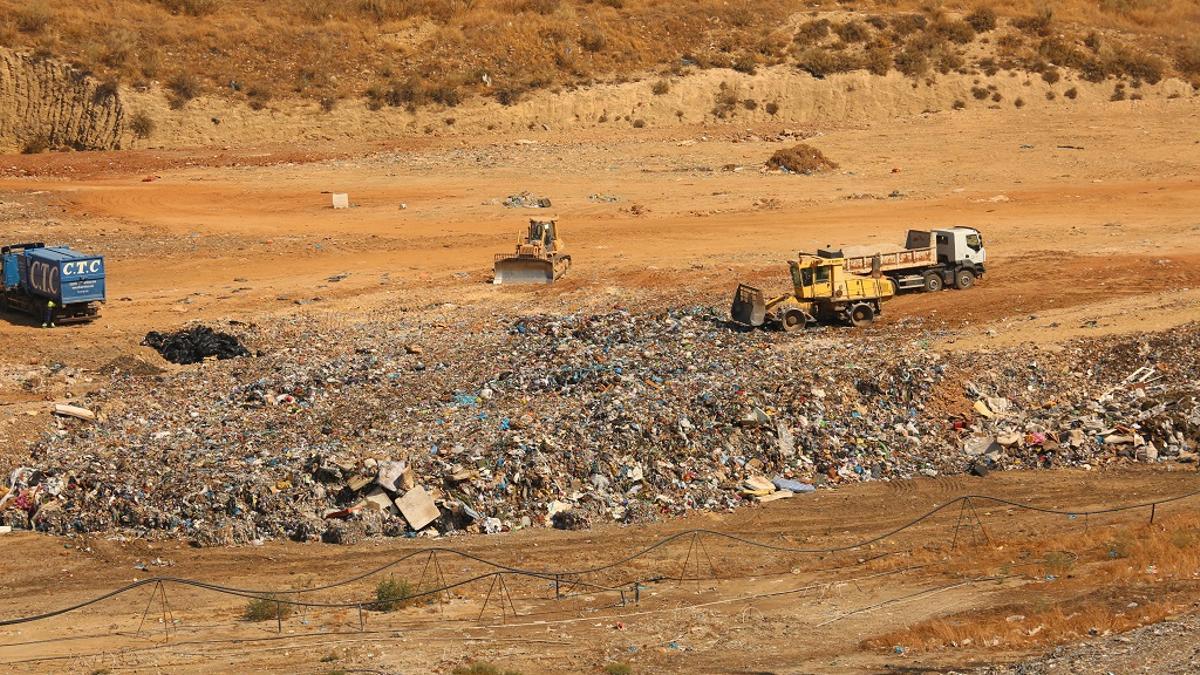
{"x": 437, "y": 54}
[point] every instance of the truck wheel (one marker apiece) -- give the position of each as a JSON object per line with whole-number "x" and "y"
{"x": 861, "y": 315}
{"x": 792, "y": 320}
{"x": 964, "y": 279}
{"x": 933, "y": 282}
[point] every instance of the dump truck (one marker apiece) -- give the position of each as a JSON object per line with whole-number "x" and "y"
{"x": 930, "y": 261}
{"x": 34, "y": 275}
{"x": 540, "y": 258}
{"x": 823, "y": 291}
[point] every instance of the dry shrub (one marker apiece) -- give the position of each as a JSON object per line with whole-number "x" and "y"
{"x": 745, "y": 64}
{"x": 959, "y": 32}
{"x": 191, "y": 7}
{"x": 904, "y": 25}
{"x": 107, "y": 89}
{"x": 802, "y": 158}
{"x": 36, "y": 145}
{"x": 1051, "y": 75}
{"x": 912, "y": 62}
{"x": 1036, "y": 24}
{"x": 141, "y": 124}
{"x": 877, "y": 59}
{"x": 1061, "y": 53}
{"x": 822, "y": 62}
{"x": 979, "y": 93}
{"x": 772, "y": 108}
{"x": 812, "y": 32}
{"x": 750, "y": 104}
{"x": 1019, "y": 102}
{"x": 593, "y": 40}
{"x": 997, "y": 97}
{"x": 1071, "y": 93}
{"x": 181, "y": 89}
{"x": 959, "y": 105}
{"x": 982, "y": 19}
{"x": 661, "y": 87}
{"x": 639, "y": 123}
{"x": 33, "y": 17}
{"x": 725, "y": 102}
{"x": 1135, "y": 64}
{"x": 1187, "y": 58}
{"x": 852, "y": 31}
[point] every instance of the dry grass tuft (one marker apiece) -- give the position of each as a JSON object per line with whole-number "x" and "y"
{"x": 802, "y": 158}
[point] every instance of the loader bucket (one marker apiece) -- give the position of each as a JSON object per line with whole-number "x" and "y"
{"x": 749, "y": 306}
{"x": 523, "y": 271}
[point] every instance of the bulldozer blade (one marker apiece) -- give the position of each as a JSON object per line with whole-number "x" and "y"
{"x": 749, "y": 306}
{"x": 518, "y": 271}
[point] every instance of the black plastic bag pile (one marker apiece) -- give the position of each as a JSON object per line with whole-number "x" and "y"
{"x": 193, "y": 345}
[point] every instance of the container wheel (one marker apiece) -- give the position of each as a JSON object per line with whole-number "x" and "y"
{"x": 861, "y": 315}
{"x": 964, "y": 279}
{"x": 792, "y": 320}
{"x": 933, "y": 282}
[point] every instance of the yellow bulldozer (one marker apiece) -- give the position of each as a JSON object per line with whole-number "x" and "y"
{"x": 541, "y": 257}
{"x": 822, "y": 291}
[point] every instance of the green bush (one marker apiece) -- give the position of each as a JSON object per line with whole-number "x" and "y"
{"x": 391, "y": 595}
{"x": 266, "y": 609}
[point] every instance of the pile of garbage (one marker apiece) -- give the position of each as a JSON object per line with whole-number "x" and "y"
{"x": 401, "y": 428}
{"x": 194, "y": 345}
{"x": 526, "y": 200}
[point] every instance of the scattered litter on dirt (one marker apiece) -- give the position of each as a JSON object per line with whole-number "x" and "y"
{"x": 195, "y": 344}
{"x": 526, "y": 200}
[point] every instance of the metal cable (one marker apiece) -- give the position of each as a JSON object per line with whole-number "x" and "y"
{"x": 551, "y": 575}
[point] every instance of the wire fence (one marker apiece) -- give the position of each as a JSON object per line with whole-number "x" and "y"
{"x": 566, "y": 581}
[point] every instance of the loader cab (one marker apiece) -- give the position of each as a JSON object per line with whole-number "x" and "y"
{"x": 960, "y": 245}
{"x": 813, "y": 278}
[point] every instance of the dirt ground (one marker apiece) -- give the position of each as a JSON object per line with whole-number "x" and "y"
{"x": 1091, "y": 221}
{"x": 741, "y": 609}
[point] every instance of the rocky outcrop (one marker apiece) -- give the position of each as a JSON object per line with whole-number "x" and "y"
{"x": 45, "y": 102}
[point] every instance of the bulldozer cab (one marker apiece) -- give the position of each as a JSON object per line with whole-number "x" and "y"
{"x": 542, "y": 232}
{"x": 813, "y": 278}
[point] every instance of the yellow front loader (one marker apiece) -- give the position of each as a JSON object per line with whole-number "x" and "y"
{"x": 822, "y": 291}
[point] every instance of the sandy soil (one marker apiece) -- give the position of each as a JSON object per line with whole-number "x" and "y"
{"x": 1090, "y": 217}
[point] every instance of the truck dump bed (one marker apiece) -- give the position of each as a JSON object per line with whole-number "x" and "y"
{"x": 61, "y": 274}
{"x": 893, "y": 261}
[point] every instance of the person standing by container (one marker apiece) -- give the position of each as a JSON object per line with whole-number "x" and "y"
{"x": 48, "y": 317}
